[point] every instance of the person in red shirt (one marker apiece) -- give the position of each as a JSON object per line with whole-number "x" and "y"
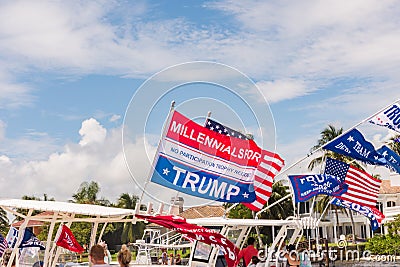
{"x": 248, "y": 252}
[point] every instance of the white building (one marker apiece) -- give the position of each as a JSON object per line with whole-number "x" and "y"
{"x": 388, "y": 203}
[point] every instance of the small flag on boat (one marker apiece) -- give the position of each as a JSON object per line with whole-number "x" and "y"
{"x": 29, "y": 239}
{"x": 393, "y": 160}
{"x": 196, "y": 232}
{"x": 66, "y": 239}
{"x": 354, "y": 145}
{"x": 362, "y": 189}
{"x": 270, "y": 164}
{"x": 3, "y": 245}
{"x": 389, "y": 118}
{"x": 375, "y": 216}
{"x": 307, "y": 186}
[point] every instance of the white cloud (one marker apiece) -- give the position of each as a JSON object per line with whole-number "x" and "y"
{"x": 92, "y": 132}
{"x": 279, "y": 90}
{"x": 61, "y": 173}
{"x": 115, "y": 117}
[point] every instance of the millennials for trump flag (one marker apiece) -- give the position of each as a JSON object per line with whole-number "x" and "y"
{"x": 389, "y": 118}
{"x": 307, "y": 186}
{"x": 269, "y": 165}
{"x": 200, "y": 162}
{"x": 393, "y": 160}
{"x": 354, "y": 145}
{"x": 374, "y": 215}
{"x": 362, "y": 189}
{"x": 67, "y": 240}
{"x": 196, "y": 232}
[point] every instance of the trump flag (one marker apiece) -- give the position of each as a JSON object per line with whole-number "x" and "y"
{"x": 389, "y": 118}
{"x": 198, "y": 161}
{"x": 307, "y": 186}
{"x": 393, "y": 160}
{"x": 354, "y": 145}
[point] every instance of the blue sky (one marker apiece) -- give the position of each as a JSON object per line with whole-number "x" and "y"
{"x": 69, "y": 69}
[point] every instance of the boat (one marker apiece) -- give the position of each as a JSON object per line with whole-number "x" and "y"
{"x": 202, "y": 255}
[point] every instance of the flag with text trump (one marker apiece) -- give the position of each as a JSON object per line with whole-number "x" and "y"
{"x": 269, "y": 165}
{"x": 389, "y": 118}
{"x": 200, "y": 162}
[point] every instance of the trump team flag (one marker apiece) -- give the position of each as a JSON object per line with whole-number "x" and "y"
{"x": 354, "y": 145}
{"x": 29, "y": 239}
{"x": 307, "y": 186}
{"x": 269, "y": 165}
{"x": 66, "y": 239}
{"x": 389, "y": 118}
{"x": 393, "y": 160}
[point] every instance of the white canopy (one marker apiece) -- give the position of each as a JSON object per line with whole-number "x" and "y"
{"x": 65, "y": 207}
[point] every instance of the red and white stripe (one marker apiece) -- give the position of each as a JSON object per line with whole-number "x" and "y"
{"x": 363, "y": 188}
{"x": 270, "y": 165}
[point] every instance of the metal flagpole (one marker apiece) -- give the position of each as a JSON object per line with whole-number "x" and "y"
{"x": 319, "y": 148}
{"x": 164, "y": 132}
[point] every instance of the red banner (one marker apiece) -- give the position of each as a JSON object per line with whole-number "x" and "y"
{"x": 67, "y": 240}
{"x": 196, "y": 232}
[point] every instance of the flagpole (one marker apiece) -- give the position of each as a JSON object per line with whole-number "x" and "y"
{"x": 337, "y": 137}
{"x": 152, "y": 168}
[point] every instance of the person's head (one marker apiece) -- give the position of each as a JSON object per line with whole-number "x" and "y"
{"x": 178, "y": 255}
{"x": 171, "y": 255}
{"x": 124, "y": 256}
{"x": 6, "y": 257}
{"x": 97, "y": 254}
{"x": 251, "y": 240}
{"x": 254, "y": 259}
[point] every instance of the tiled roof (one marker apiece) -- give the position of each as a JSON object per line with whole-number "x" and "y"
{"x": 203, "y": 212}
{"x": 387, "y": 188}
{"x": 33, "y": 222}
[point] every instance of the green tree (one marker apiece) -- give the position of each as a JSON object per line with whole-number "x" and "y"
{"x": 130, "y": 232}
{"x": 87, "y": 194}
{"x": 394, "y": 144}
{"x": 4, "y": 223}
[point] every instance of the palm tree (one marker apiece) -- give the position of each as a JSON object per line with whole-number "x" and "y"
{"x": 327, "y": 135}
{"x": 395, "y": 144}
{"x": 87, "y": 194}
{"x": 130, "y": 231}
{"x": 4, "y": 223}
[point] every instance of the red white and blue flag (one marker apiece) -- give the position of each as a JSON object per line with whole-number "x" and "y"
{"x": 3, "y": 245}
{"x": 198, "y": 161}
{"x": 362, "y": 192}
{"x": 269, "y": 165}
{"x": 363, "y": 188}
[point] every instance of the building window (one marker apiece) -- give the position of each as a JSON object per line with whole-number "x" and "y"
{"x": 390, "y": 204}
{"x": 363, "y": 231}
{"x": 348, "y": 230}
{"x": 304, "y": 207}
{"x": 379, "y": 206}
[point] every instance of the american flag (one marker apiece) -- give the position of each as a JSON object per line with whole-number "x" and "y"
{"x": 363, "y": 188}
{"x": 3, "y": 245}
{"x": 269, "y": 165}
